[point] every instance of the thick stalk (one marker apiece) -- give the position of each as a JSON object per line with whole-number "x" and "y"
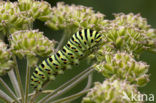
{"x": 27, "y": 80}
{"x": 33, "y": 93}
{"x": 29, "y": 95}
{"x": 19, "y": 78}
{"x": 14, "y": 82}
{"x": 5, "y": 97}
{"x": 8, "y": 90}
{"x": 69, "y": 98}
{"x": 61, "y": 42}
{"x": 89, "y": 83}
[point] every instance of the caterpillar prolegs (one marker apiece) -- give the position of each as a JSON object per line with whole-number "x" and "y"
{"x": 79, "y": 46}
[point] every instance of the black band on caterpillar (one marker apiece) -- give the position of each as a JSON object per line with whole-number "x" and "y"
{"x": 76, "y": 48}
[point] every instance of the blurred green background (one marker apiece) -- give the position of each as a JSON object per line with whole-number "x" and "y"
{"x": 147, "y": 8}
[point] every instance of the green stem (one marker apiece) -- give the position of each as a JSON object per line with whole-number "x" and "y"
{"x": 29, "y": 95}
{"x": 33, "y": 93}
{"x": 59, "y": 92}
{"x": 69, "y": 98}
{"x": 61, "y": 42}
{"x": 89, "y": 83}
{"x": 8, "y": 90}
{"x": 27, "y": 81}
{"x": 19, "y": 78}
{"x": 5, "y": 97}
{"x": 14, "y": 82}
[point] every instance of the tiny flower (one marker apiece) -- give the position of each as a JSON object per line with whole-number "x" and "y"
{"x": 112, "y": 91}
{"x": 123, "y": 66}
{"x": 5, "y": 55}
{"x": 31, "y": 43}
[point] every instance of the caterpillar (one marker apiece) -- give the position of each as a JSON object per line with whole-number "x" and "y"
{"x": 79, "y": 45}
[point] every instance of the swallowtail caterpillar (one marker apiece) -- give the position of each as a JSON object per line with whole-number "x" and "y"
{"x": 80, "y": 45}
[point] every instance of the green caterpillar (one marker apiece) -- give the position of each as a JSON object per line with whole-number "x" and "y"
{"x": 81, "y": 44}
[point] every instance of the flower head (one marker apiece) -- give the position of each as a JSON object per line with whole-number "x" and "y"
{"x": 129, "y": 39}
{"x": 72, "y": 16}
{"x": 31, "y": 43}
{"x": 130, "y": 33}
{"x": 123, "y": 65}
{"x": 111, "y": 91}
{"x": 36, "y": 9}
{"x": 12, "y": 19}
{"x": 131, "y": 20}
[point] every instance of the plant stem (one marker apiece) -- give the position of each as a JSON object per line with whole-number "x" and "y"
{"x": 19, "y": 78}
{"x": 61, "y": 42}
{"x": 59, "y": 92}
{"x": 14, "y": 82}
{"x": 69, "y": 98}
{"x": 8, "y": 90}
{"x": 27, "y": 81}
{"x": 89, "y": 83}
{"x": 5, "y": 97}
{"x": 33, "y": 93}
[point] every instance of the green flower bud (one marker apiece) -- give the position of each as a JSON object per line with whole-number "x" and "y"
{"x": 112, "y": 91}
{"x": 123, "y": 66}
{"x": 5, "y": 63}
{"x": 31, "y": 43}
{"x": 143, "y": 80}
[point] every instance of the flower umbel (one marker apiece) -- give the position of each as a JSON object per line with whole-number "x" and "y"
{"x": 123, "y": 65}
{"x": 131, "y": 20}
{"x": 131, "y": 33}
{"x": 127, "y": 39}
{"x": 12, "y": 19}
{"x": 111, "y": 91}
{"x": 65, "y": 16}
{"x": 31, "y": 43}
{"x": 36, "y": 9}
